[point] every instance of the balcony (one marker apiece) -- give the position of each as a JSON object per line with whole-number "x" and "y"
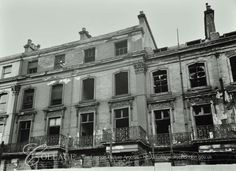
{"x": 14, "y": 147}
{"x": 50, "y": 140}
{"x": 216, "y": 132}
{"x": 163, "y": 140}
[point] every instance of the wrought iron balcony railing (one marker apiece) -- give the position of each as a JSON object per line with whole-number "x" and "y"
{"x": 50, "y": 140}
{"x": 14, "y": 147}
{"x": 223, "y": 131}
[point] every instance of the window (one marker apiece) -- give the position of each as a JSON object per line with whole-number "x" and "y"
{"x": 28, "y": 99}
{"x": 162, "y": 120}
{"x": 88, "y": 89}
{"x": 160, "y": 81}
{"x": 24, "y": 131}
{"x": 54, "y": 126}
{"x": 89, "y": 55}
{"x": 56, "y": 96}
{"x": 1, "y": 132}
{"x": 32, "y": 67}
{"x": 59, "y": 61}
{"x": 86, "y": 120}
{"x": 233, "y": 67}
{"x": 121, "y": 48}
{"x": 3, "y": 102}
{"x": 121, "y": 83}
{"x": 121, "y": 118}
{"x": 6, "y": 71}
{"x": 202, "y": 114}
{"x": 197, "y": 75}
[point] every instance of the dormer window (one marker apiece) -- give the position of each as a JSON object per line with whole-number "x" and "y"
{"x": 59, "y": 61}
{"x": 89, "y": 55}
{"x": 121, "y": 48}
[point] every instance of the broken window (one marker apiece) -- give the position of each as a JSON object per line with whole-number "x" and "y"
{"x": 160, "y": 81}
{"x": 89, "y": 55}
{"x": 233, "y": 67}
{"x": 121, "y": 124}
{"x": 162, "y": 121}
{"x": 88, "y": 89}
{"x": 203, "y": 115}
{"x": 59, "y": 61}
{"x": 1, "y": 132}
{"x": 56, "y": 96}
{"x": 6, "y": 71}
{"x": 32, "y": 67}
{"x": 28, "y": 99}
{"x": 3, "y": 102}
{"x": 121, "y": 83}
{"x": 121, "y": 48}
{"x": 197, "y": 75}
{"x": 24, "y": 131}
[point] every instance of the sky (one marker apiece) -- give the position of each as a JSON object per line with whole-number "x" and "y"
{"x": 54, "y": 22}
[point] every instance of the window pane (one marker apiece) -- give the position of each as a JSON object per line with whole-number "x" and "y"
{"x": 166, "y": 113}
{"x": 3, "y": 102}
{"x": 89, "y": 55}
{"x": 121, "y": 48}
{"x": 28, "y": 99}
{"x": 56, "y": 94}
{"x": 32, "y": 67}
{"x": 52, "y": 122}
{"x": 58, "y": 121}
{"x": 158, "y": 114}
{"x": 59, "y": 61}
{"x": 118, "y": 113}
{"x": 88, "y": 89}
{"x": 160, "y": 81}
{"x": 197, "y": 75}
{"x": 121, "y": 83}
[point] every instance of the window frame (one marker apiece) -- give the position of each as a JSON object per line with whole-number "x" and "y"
{"x": 4, "y": 93}
{"x": 121, "y": 107}
{"x": 62, "y": 94}
{"x": 114, "y": 83}
{"x": 4, "y": 69}
{"x": 30, "y": 129}
{"x": 115, "y": 48}
{"x": 94, "y": 58}
{"x": 59, "y": 65}
{"x": 48, "y": 124}
{"x": 24, "y": 90}
{"x": 168, "y": 81}
{"x": 206, "y": 75}
{"x": 82, "y": 88}
{"x": 81, "y": 123}
{"x": 28, "y": 68}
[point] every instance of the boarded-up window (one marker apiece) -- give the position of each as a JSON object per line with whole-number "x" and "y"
{"x": 3, "y": 102}
{"x": 233, "y": 67}
{"x": 56, "y": 96}
{"x": 160, "y": 81}
{"x": 121, "y": 47}
{"x": 197, "y": 75}
{"x": 28, "y": 99}
{"x": 89, "y": 55}
{"x": 59, "y": 61}
{"x": 121, "y": 83}
{"x": 6, "y": 71}
{"x": 88, "y": 89}
{"x": 32, "y": 67}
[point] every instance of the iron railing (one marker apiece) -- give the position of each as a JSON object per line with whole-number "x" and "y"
{"x": 223, "y": 131}
{"x": 14, "y": 147}
{"x": 50, "y": 140}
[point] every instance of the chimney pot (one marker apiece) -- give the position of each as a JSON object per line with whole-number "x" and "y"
{"x": 209, "y": 23}
{"x": 29, "y": 47}
{"x": 84, "y": 34}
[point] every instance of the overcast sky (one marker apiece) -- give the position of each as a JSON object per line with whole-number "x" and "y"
{"x": 53, "y": 22}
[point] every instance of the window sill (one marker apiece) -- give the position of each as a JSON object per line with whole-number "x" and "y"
{"x": 121, "y": 96}
{"x": 88, "y": 101}
{"x": 161, "y": 94}
{"x": 55, "y": 108}
{"x": 26, "y": 110}
{"x": 202, "y": 88}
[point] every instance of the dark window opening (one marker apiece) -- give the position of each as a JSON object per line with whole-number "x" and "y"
{"x": 56, "y": 96}
{"x": 162, "y": 120}
{"x": 233, "y": 67}
{"x": 24, "y": 131}
{"x": 197, "y": 75}
{"x": 203, "y": 115}
{"x": 28, "y": 99}
{"x": 59, "y": 61}
{"x": 88, "y": 89}
{"x": 160, "y": 81}
{"x": 121, "y": 124}
{"x": 32, "y": 67}
{"x": 86, "y": 129}
{"x": 121, "y": 83}
{"x": 3, "y": 102}
{"x": 89, "y": 55}
{"x": 54, "y": 126}
{"x": 121, "y": 48}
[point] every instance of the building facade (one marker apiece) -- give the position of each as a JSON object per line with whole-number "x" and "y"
{"x": 119, "y": 95}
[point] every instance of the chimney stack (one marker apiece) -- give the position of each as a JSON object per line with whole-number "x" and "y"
{"x": 141, "y": 18}
{"x": 29, "y": 47}
{"x": 209, "y": 24}
{"x": 84, "y": 34}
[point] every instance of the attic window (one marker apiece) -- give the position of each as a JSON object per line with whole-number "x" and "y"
{"x": 121, "y": 48}
{"x": 89, "y": 55}
{"x": 197, "y": 75}
{"x": 32, "y": 67}
{"x": 59, "y": 61}
{"x": 233, "y": 67}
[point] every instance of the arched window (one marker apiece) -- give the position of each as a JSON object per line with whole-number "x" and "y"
{"x": 160, "y": 82}
{"x": 233, "y": 67}
{"x": 56, "y": 95}
{"x": 197, "y": 75}
{"x": 121, "y": 83}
